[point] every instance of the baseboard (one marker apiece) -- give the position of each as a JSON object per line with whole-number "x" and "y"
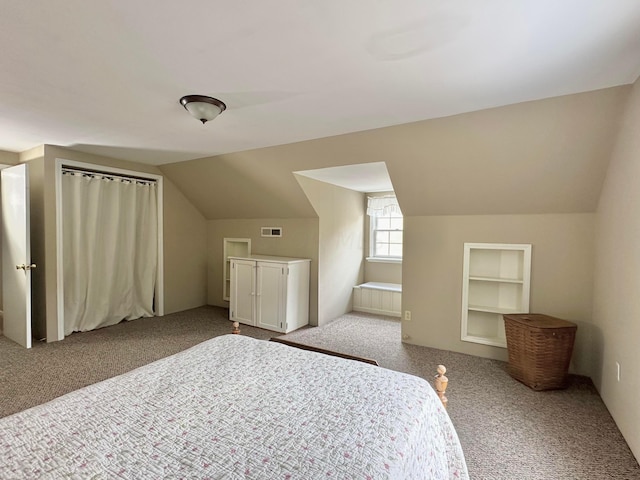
{"x": 377, "y": 311}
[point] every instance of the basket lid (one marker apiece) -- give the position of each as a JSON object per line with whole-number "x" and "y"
{"x": 539, "y": 321}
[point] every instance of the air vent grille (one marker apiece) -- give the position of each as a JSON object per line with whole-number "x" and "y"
{"x": 271, "y": 231}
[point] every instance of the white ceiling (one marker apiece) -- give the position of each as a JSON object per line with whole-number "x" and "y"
{"x": 105, "y": 76}
{"x": 362, "y": 177}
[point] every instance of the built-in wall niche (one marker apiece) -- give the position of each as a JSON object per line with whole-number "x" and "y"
{"x": 232, "y": 247}
{"x": 495, "y": 281}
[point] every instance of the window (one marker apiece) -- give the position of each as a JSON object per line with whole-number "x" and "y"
{"x": 386, "y": 221}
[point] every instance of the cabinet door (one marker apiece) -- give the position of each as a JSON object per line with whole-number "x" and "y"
{"x": 270, "y": 295}
{"x": 242, "y": 300}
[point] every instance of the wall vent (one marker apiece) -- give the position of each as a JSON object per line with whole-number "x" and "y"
{"x": 271, "y": 231}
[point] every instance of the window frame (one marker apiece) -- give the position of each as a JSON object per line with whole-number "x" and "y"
{"x": 374, "y": 256}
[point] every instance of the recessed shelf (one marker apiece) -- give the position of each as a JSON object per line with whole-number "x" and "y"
{"x": 232, "y": 247}
{"x": 495, "y": 282}
{"x": 491, "y": 309}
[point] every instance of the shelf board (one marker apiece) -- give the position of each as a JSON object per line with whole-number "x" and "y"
{"x": 491, "y": 309}
{"x": 496, "y": 279}
{"x": 493, "y": 341}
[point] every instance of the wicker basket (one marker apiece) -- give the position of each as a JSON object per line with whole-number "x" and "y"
{"x": 540, "y": 349}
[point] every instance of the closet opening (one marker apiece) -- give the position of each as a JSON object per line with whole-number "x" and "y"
{"x": 109, "y": 233}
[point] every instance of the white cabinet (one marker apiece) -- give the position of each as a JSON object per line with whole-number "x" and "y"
{"x": 232, "y": 247}
{"x": 495, "y": 281}
{"x": 270, "y": 292}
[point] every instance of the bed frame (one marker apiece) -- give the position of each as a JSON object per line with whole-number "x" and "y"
{"x": 322, "y": 350}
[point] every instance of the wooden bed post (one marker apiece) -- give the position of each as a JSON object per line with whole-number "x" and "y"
{"x": 441, "y": 384}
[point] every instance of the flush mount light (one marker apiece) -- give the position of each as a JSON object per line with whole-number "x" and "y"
{"x": 203, "y": 108}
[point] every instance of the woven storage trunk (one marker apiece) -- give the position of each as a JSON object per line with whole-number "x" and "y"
{"x": 540, "y": 349}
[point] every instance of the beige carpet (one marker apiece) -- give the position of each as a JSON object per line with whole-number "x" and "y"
{"x": 507, "y": 430}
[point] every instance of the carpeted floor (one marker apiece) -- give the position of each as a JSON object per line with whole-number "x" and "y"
{"x": 507, "y": 430}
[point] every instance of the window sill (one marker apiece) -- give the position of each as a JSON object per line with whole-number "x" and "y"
{"x": 383, "y": 260}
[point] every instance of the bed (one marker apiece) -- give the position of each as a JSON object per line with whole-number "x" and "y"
{"x": 233, "y": 408}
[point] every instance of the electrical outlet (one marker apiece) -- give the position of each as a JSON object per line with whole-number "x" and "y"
{"x": 617, "y": 371}
{"x": 407, "y": 315}
{"x": 405, "y": 337}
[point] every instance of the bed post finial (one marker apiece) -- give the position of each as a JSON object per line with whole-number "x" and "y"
{"x": 441, "y": 384}
{"x": 236, "y": 327}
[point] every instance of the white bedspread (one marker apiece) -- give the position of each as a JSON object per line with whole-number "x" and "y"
{"x": 235, "y": 408}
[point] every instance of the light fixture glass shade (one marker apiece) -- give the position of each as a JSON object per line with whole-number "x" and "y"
{"x": 203, "y": 108}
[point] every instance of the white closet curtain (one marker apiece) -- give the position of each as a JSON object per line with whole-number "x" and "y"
{"x": 110, "y": 249}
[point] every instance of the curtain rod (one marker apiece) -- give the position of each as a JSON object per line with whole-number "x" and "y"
{"x": 89, "y": 171}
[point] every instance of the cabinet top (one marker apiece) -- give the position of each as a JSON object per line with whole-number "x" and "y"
{"x": 498, "y": 246}
{"x": 271, "y": 258}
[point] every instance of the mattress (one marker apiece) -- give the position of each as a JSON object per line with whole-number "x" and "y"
{"x": 238, "y": 408}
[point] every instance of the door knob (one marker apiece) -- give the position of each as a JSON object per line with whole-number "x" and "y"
{"x": 25, "y": 267}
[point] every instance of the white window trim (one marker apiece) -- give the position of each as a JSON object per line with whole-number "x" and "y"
{"x": 384, "y": 259}
{"x": 380, "y": 259}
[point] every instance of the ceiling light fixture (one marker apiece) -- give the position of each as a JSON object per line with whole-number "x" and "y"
{"x": 203, "y": 108}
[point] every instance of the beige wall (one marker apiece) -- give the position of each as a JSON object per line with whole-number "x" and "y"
{"x": 341, "y": 218}
{"x": 185, "y": 252}
{"x": 382, "y": 271}
{"x": 617, "y": 280}
{"x": 546, "y": 156}
{"x": 9, "y": 158}
{"x": 184, "y": 240}
{"x": 561, "y": 275}
{"x": 36, "y": 168}
{"x": 255, "y": 184}
{"x": 299, "y": 239}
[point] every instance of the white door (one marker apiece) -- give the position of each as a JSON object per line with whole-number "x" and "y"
{"x": 242, "y": 299}
{"x": 270, "y": 290}
{"x": 16, "y": 255}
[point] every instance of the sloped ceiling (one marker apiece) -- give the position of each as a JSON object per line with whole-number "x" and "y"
{"x": 545, "y": 156}
{"x": 255, "y": 184}
{"x": 362, "y": 177}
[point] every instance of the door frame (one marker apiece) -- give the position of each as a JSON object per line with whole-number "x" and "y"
{"x": 159, "y": 292}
